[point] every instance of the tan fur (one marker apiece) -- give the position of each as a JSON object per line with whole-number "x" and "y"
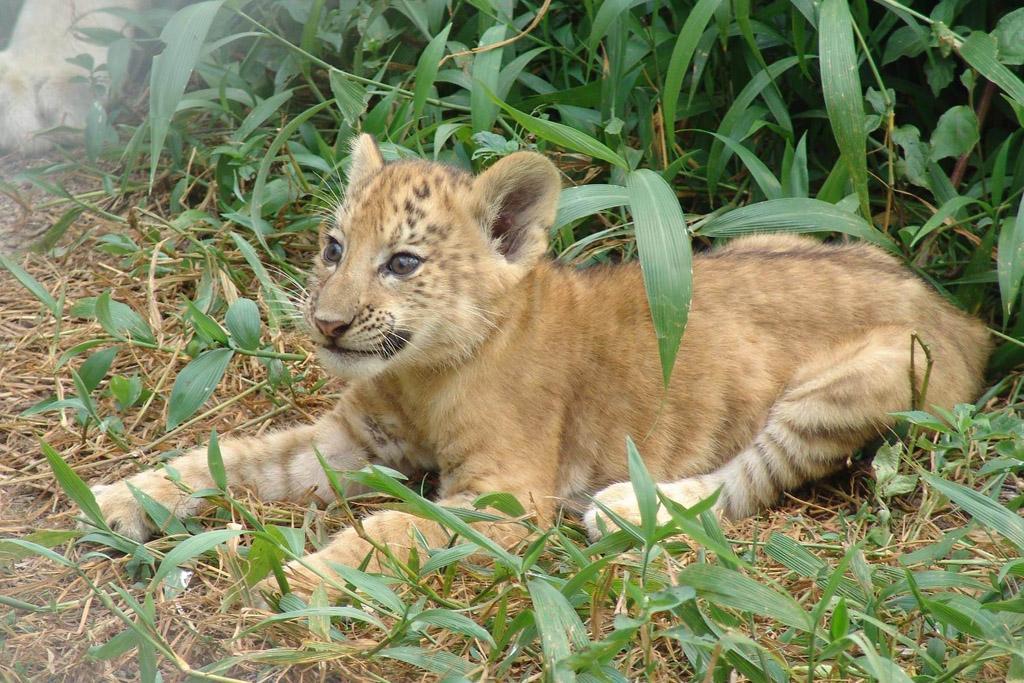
{"x": 524, "y": 376}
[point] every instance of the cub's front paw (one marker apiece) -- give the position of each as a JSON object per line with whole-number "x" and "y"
{"x": 122, "y": 512}
{"x": 36, "y": 98}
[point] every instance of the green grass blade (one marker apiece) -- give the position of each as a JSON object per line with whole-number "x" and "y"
{"x": 486, "y": 72}
{"x": 1010, "y": 260}
{"x": 563, "y": 136}
{"x": 559, "y": 626}
{"x": 191, "y": 548}
{"x": 426, "y": 70}
{"x": 74, "y": 487}
{"x": 986, "y": 511}
{"x": 679, "y": 62}
{"x": 792, "y": 215}
{"x": 579, "y": 202}
{"x": 844, "y": 99}
{"x": 184, "y": 35}
{"x": 243, "y": 321}
{"x": 728, "y": 588}
{"x": 980, "y": 51}
{"x": 31, "y": 284}
{"x": 665, "y": 257}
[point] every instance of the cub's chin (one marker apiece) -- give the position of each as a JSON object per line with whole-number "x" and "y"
{"x": 350, "y": 365}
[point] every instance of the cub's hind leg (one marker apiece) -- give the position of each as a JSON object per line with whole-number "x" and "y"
{"x": 833, "y": 405}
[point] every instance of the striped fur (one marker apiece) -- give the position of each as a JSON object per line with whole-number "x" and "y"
{"x": 506, "y": 372}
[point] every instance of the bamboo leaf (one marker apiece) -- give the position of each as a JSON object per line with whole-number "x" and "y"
{"x": 196, "y": 383}
{"x": 373, "y": 587}
{"x": 260, "y": 113}
{"x": 578, "y": 202}
{"x": 215, "y": 462}
{"x": 735, "y": 115}
{"x": 74, "y": 487}
{"x": 563, "y": 136}
{"x": 376, "y": 478}
{"x": 444, "y": 664}
{"x": 664, "y": 245}
{"x": 844, "y": 99}
{"x": 728, "y": 588}
{"x": 191, "y": 548}
{"x": 184, "y": 35}
{"x": 559, "y": 625}
{"x": 796, "y": 215}
{"x": 486, "y": 72}
{"x": 351, "y": 97}
{"x": 454, "y": 622}
{"x": 607, "y": 13}
{"x": 986, "y": 511}
{"x": 1010, "y": 260}
{"x": 980, "y": 51}
{"x": 243, "y": 321}
{"x": 644, "y": 489}
{"x": 118, "y": 318}
{"x": 426, "y": 70}
{"x": 31, "y": 284}
{"x": 679, "y": 62}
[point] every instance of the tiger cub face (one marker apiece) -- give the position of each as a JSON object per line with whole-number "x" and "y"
{"x": 414, "y": 264}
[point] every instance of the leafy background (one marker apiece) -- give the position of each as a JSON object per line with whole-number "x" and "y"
{"x": 676, "y": 125}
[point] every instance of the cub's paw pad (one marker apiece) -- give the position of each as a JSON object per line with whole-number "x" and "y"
{"x": 620, "y": 500}
{"x": 122, "y": 512}
{"x": 688, "y": 492}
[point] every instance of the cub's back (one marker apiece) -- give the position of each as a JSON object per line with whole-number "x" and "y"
{"x": 782, "y": 299}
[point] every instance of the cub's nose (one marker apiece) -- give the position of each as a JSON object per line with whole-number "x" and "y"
{"x": 332, "y": 328}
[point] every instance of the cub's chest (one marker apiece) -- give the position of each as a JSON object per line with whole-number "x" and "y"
{"x": 387, "y": 440}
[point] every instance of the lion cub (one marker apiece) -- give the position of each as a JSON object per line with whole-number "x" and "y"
{"x": 469, "y": 352}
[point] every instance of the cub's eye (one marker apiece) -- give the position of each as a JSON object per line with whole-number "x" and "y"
{"x": 333, "y": 251}
{"x": 404, "y": 264}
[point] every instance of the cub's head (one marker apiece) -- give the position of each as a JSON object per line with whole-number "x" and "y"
{"x": 415, "y": 264}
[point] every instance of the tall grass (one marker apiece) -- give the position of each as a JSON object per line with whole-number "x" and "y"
{"x": 673, "y": 122}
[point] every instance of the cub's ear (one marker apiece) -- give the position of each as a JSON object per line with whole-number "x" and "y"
{"x": 365, "y": 159}
{"x": 515, "y": 202}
